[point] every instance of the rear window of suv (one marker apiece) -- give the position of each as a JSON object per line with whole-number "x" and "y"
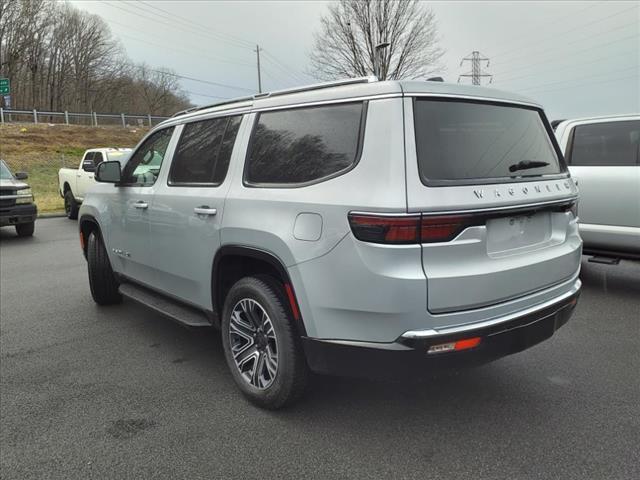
{"x": 461, "y": 142}
{"x": 295, "y": 147}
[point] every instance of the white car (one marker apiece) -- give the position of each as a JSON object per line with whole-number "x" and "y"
{"x": 74, "y": 182}
{"x": 603, "y": 155}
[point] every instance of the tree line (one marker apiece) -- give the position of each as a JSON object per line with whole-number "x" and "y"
{"x": 58, "y": 58}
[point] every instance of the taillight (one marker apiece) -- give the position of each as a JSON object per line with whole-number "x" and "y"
{"x": 409, "y": 229}
{"x": 386, "y": 229}
{"x": 442, "y": 228}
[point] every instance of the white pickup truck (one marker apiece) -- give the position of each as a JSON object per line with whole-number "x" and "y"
{"x": 74, "y": 183}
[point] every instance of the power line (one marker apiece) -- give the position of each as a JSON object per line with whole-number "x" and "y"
{"x": 180, "y": 49}
{"x": 163, "y": 20}
{"x": 286, "y": 69}
{"x": 185, "y": 23}
{"x": 500, "y": 55}
{"x": 206, "y": 95}
{"x": 535, "y": 87}
{"x": 207, "y": 28}
{"x": 585, "y": 84}
{"x": 565, "y": 66}
{"x": 588, "y": 49}
{"x": 208, "y": 82}
{"x": 239, "y": 41}
{"x": 557, "y": 20}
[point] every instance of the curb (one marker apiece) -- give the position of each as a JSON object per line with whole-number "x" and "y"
{"x": 52, "y": 215}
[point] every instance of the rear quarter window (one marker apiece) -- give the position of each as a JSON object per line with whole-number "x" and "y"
{"x": 462, "y": 142}
{"x": 300, "y": 146}
{"x": 608, "y": 144}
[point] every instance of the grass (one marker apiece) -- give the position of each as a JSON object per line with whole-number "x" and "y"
{"x": 41, "y": 150}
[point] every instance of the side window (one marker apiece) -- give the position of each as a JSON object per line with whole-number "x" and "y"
{"x": 144, "y": 166}
{"x": 88, "y": 163}
{"x": 303, "y": 145}
{"x": 605, "y": 144}
{"x": 204, "y": 151}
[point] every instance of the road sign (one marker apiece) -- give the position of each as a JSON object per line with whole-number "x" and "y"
{"x": 7, "y": 102}
{"x": 4, "y": 86}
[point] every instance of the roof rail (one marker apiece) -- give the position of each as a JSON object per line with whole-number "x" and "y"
{"x": 306, "y": 88}
{"x": 225, "y": 102}
{"x": 317, "y": 86}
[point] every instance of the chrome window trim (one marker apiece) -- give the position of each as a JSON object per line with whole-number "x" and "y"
{"x": 362, "y": 98}
{"x": 474, "y": 97}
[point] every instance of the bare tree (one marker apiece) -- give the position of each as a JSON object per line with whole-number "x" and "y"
{"x": 157, "y": 87}
{"x": 345, "y": 46}
{"x": 61, "y": 58}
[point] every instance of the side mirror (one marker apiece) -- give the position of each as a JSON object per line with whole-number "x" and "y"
{"x": 21, "y": 175}
{"x": 88, "y": 166}
{"x": 108, "y": 172}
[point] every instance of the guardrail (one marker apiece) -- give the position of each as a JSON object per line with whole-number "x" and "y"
{"x": 68, "y": 118}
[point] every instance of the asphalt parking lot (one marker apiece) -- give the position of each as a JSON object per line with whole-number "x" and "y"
{"x": 120, "y": 392}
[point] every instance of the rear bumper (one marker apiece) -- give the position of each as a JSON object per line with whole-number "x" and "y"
{"x": 407, "y": 356}
{"x": 18, "y": 214}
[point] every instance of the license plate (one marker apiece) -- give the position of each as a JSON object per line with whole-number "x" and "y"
{"x": 519, "y": 231}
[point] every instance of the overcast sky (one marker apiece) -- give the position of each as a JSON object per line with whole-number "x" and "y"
{"x": 576, "y": 58}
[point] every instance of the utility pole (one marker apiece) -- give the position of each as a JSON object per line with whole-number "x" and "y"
{"x": 476, "y": 74}
{"x": 257, "y": 50}
{"x": 377, "y": 60}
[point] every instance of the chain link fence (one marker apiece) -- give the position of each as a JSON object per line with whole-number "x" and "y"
{"x": 43, "y": 178}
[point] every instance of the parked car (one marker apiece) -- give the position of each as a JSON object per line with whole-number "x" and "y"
{"x": 603, "y": 154}
{"x": 16, "y": 202}
{"x": 351, "y": 228}
{"x": 74, "y": 182}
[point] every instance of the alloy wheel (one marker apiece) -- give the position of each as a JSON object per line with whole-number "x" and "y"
{"x": 253, "y": 343}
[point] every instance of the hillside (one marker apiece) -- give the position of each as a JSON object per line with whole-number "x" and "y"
{"x": 40, "y": 150}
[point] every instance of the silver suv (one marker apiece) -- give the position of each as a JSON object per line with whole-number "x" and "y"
{"x": 353, "y": 228}
{"x": 603, "y": 154}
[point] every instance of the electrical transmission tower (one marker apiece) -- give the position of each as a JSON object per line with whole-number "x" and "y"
{"x": 476, "y": 74}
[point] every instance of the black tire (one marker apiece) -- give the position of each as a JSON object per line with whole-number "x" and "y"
{"x": 25, "y": 229}
{"x": 102, "y": 281}
{"x": 291, "y": 377}
{"x": 70, "y": 205}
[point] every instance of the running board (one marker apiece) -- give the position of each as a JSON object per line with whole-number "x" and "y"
{"x": 179, "y": 312}
{"x": 604, "y": 260}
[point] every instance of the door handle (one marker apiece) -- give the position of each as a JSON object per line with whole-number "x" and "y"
{"x": 205, "y": 210}
{"x": 141, "y": 205}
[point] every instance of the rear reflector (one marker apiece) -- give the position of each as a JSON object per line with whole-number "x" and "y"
{"x": 292, "y": 301}
{"x": 458, "y": 345}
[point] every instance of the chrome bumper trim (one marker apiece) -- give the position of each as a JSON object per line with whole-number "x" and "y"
{"x": 434, "y": 333}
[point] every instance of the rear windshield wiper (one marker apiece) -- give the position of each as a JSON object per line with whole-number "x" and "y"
{"x": 526, "y": 164}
